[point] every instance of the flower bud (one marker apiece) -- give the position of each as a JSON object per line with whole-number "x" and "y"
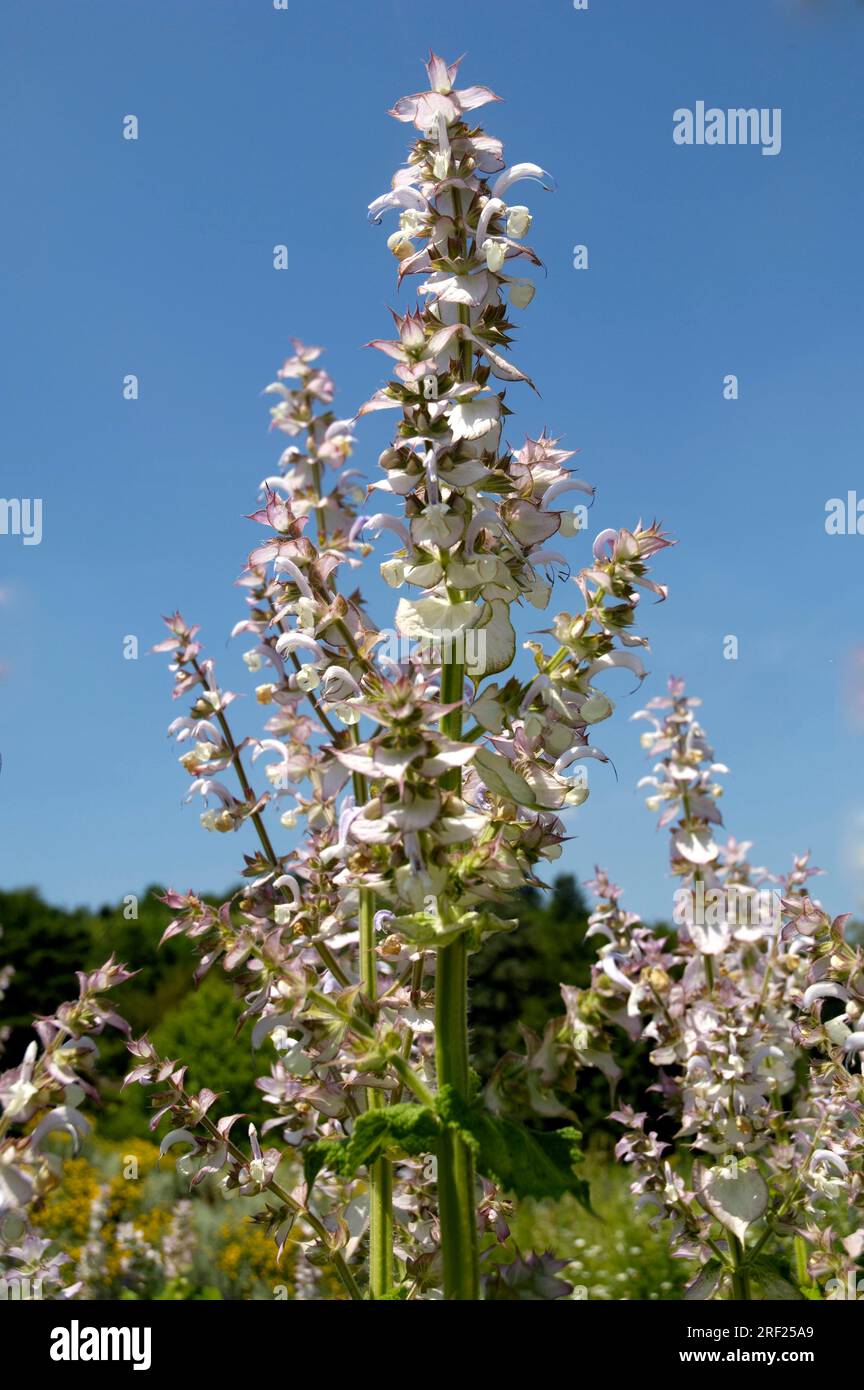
{"x": 264, "y": 693}
{"x": 655, "y": 979}
{"x": 401, "y": 247}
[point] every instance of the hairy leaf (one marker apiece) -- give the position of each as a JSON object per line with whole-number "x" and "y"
{"x": 528, "y": 1163}
{"x": 408, "y": 1128}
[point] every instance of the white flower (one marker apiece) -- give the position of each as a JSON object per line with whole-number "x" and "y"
{"x": 437, "y": 525}
{"x": 495, "y": 252}
{"x": 258, "y": 1172}
{"x": 474, "y": 419}
{"x": 412, "y": 223}
{"x": 304, "y": 610}
{"x": 20, "y": 1094}
{"x": 519, "y": 220}
{"x": 308, "y": 678}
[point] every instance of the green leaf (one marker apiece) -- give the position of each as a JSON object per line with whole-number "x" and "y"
{"x": 407, "y": 1128}
{"x": 773, "y": 1280}
{"x": 528, "y": 1163}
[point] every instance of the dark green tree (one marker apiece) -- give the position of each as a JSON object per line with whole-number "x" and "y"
{"x": 45, "y": 946}
{"x": 516, "y": 978}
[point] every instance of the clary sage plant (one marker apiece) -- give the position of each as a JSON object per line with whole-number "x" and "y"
{"x": 426, "y": 778}
{"x": 411, "y": 779}
{"x": 749, "y": 1008}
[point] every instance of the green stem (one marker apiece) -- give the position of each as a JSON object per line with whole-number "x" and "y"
{"x": 456, "y": 1188}
{"x": 381, "y": 1171}
{"x": 456, "y": 1196}
{"x": 740, "y": 1278}
{"x": 456, "y": 1203}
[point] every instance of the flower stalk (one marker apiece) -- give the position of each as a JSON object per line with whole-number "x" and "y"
{"x": 769, "y": 1141}
{"x": 381, "y": 1171}
{"x": 412, "y": 830}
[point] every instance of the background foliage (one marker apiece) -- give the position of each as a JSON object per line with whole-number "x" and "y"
{"x": 515, "y": 985}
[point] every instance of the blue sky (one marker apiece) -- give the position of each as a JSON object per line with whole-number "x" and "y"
{"x": 154, "y": 257}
